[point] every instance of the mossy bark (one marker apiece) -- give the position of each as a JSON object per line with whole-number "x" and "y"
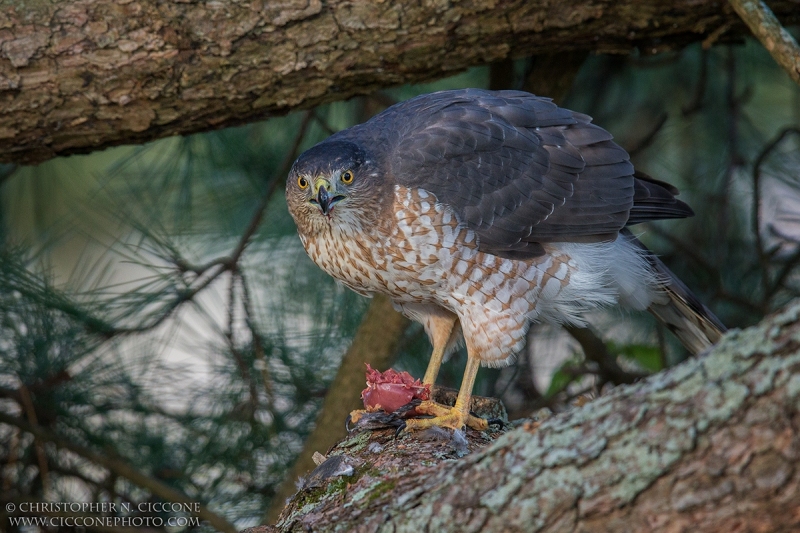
{"x": 711, "y": 445}
{"x": 80, "y": 75}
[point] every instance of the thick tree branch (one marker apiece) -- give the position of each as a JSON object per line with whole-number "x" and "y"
{"x": 765, "y": 26}
{"x": 710, "y": 445}
{"x": 77, "y": 76}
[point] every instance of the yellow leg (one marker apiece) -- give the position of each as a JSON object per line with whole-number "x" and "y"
{"x": 452, "y": 417}
{"x": 441, "y": 328}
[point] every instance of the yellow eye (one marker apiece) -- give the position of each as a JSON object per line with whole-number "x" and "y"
{"x": 347, "y": 177}
{"x": 302, "y": 182}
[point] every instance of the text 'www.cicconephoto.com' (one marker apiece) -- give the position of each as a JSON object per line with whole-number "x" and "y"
{"x": 58, "y": 515}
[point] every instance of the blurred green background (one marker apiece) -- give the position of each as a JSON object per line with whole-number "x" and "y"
{"x": 122, "y": 330}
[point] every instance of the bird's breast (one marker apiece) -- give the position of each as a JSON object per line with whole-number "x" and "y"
{"x": 423, "y": 254}
{"x": 404, "y": 256}
{"x": 346, "y": 256}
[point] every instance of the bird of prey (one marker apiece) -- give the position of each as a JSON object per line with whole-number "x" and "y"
{"x": 479, "y": 212}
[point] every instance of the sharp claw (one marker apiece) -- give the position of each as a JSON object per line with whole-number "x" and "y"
{"x": 496, "y": 422}
{"x": 410, "y": 406}
{"x": 400, "y": 429}
{"x": 347, "y": 423}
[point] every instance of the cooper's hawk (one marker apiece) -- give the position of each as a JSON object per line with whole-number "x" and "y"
{"x": 479, "y": 212}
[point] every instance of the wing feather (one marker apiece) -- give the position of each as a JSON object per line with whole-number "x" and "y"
{"x": 517, "y": 169}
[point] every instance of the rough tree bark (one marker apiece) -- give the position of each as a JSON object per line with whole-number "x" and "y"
{"x": 79, "y": 75}
{"x": 711, "y": 445}
{"x": 766, "y": 28}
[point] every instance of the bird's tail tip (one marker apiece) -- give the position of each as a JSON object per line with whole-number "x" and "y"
{"x": 679, "y": 309}
{"x": 692, "y": 322}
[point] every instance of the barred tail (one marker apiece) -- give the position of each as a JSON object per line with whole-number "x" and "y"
{"x": 691, "y": 321}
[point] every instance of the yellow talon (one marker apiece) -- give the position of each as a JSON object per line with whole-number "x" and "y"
{"x": 355, "y": 416}
{"x": 443, "y": 416}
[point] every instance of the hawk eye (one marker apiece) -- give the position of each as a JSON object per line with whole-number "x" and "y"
{"x": 347, "y": 177}
{"x": 302, "y": 182}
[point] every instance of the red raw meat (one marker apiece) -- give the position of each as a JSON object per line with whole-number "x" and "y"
{"x": 391, "y": 390}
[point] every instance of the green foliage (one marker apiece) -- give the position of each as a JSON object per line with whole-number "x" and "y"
{"x": 560, "y": 380}
{"x": 649, "y": 358}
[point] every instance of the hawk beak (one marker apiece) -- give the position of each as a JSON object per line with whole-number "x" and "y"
{"x": 324, "y": 196}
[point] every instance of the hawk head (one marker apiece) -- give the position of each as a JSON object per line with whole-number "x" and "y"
{"x": 335, "y": 182}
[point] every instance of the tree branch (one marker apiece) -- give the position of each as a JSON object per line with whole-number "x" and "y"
{"x": 81, "y": 75}
{"x": 120, "y": 467}
{"x": 30, "y": 412}
{"x": 595, "y": 350}
{"x": 205, "y": 273}
{"x": 710, "y": 445}
{"x": 767, "y": 29}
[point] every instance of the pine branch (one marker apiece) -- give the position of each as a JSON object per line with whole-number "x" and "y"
{"x": 30, "y": 412}
{"x": 120, "y": 467}
{"x": 767, "y": 29}
{"x": 209, "y": 272}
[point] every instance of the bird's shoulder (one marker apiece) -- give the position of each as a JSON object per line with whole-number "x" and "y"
{"x": 506, "y": 162}
{"x": 515, "y": 168}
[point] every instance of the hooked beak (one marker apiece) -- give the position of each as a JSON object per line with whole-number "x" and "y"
{"x": 325, "y": 196}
